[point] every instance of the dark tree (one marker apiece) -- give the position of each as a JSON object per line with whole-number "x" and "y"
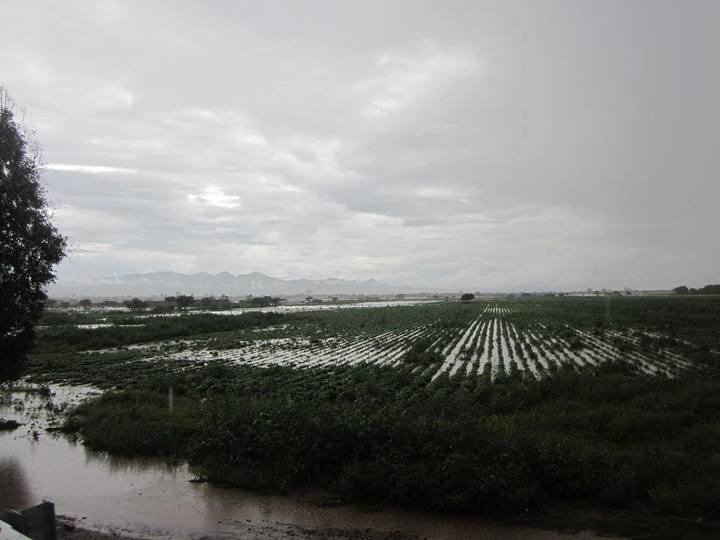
{"x": 30, "y": 245}
{"x": 85, "y": 303}
{"x": 207, "y": 302}
{"x": 135, "y": 304}
{"x": 467, "y": 297}
{"x": 682, "y": 289}
{"x": 711, "y": 289}
{"x": 184, "y": 300}
{"x": 263, "y": 301}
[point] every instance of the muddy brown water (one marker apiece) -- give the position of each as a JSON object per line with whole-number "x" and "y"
{"x": 152, "y": 499}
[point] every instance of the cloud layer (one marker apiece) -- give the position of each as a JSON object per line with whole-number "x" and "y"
{"x": 468, "y": 145}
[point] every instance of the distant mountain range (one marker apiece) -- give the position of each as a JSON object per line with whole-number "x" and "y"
{"x": 159, "y": 284}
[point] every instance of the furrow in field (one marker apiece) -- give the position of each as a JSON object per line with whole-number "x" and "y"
{"x": 363, "y": 351}
{"x": 394, "y": 356}
{"x": 641, "y": 363}
{"x": 393, "y": 349}
{"x": 476, "y": 343}
{"x": 505, "y": 351}
{"x": 494, "y": 352}
{"x": 527, "y": 353}
{"x": 669, "y": 359}
{"x": 538, "y": 356}
{"x": 452, "y": 355}
{"x": 350, "y": 352}
{"x": 563, "y": 348}
{"x": 513, "y": 344}
{"x": 485, "y": 348}
{"x": 469, "y": 345}
{"x": 547, "y": 358}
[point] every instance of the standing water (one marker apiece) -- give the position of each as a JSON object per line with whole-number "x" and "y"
{"x": 151, "y": 499}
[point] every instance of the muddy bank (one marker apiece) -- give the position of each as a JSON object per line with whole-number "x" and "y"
{"x": 70, "y": 528}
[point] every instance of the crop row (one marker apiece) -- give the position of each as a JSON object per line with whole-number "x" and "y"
{"x": 490, "y": 343}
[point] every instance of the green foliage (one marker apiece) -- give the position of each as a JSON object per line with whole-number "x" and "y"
{"x": 607, "y": 435}
{"x": 263, "y": 301}
{"x": 184, "y": 301}
{"x": 112, "y": 423}
{"x": 30, "y": 245}
{"x": 135, "y": 304}
{"x": 419, "y": 354}
{"x": 64, "y": 338}
{"x": 707, "y": 289}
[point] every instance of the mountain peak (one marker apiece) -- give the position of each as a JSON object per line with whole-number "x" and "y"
{"x": 155, "y": 284}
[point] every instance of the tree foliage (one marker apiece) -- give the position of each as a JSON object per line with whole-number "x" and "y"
{"x": 30, "y": 245}
{"x": 707, "y": 289}
{"x": 135, "y": 304}
{"x": 184, "y": 300}
{"x": 263, "y": 301}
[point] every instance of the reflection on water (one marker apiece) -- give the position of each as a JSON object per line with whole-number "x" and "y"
{"x": 122, "y": 464}
{"x": 14, "y": 489}
{"x": 150, "y": 498}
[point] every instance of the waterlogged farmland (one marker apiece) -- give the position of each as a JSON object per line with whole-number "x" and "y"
{"x": 505, "y": 407}
{"x": 486, "y": 340}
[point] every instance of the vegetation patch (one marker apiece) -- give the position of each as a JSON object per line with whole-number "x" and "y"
{"x": 503, "y": 407}
{"x": 607, "y": 436}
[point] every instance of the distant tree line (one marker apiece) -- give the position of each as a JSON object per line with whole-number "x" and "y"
{"x": 179, "y": 301}
{"x": 707, "y": 289}
{"x": 264, "y": 301}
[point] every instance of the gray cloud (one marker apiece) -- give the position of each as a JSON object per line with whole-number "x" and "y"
{"x": 483, "y": 145}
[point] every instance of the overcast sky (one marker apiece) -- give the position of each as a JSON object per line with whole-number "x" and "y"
{"x": 476, "y": 145}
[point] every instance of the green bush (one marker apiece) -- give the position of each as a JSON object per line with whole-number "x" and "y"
{"x": 608, "y": 436}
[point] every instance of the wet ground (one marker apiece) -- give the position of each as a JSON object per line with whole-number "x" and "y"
{"x": 140, "y": 498}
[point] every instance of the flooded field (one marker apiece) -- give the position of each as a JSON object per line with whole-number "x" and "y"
{"x": 289, "y": 308}
{"x": 488, "y": 408}
{"x": 154, "y": 499}
{"x": 487, "y": 341}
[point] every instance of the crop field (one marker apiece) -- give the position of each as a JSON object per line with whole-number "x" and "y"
{"x": 493, "y": 406}
{"x": 494, "y": 342}
{"x": 489, "y": 340}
